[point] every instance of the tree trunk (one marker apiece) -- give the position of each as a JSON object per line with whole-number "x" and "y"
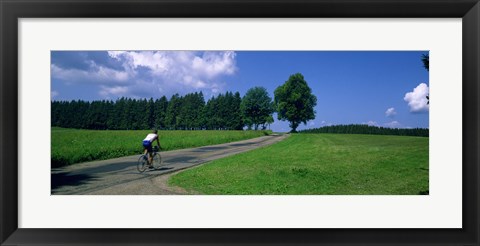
{"x": 294, "y": 126}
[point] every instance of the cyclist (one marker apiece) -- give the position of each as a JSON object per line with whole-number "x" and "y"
{"x": 147, "y": 146}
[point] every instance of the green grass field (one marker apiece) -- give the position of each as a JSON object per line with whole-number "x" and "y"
{"x": 339, "y": 164}
{"x": 71, "y": 146}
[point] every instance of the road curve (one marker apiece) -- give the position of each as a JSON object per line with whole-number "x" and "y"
{"x": 119, "y": 176}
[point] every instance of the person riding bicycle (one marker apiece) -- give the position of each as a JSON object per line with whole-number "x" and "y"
{"x": 147, "y": 145}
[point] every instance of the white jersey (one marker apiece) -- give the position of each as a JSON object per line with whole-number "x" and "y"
{"x": 150, "y": 137}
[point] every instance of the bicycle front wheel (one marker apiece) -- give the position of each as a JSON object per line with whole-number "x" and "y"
{"x": 157, "y": 161}
{"x": 142, "y": 163}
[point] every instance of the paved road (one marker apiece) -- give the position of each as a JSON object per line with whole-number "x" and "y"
{"x": 120, "y": 177}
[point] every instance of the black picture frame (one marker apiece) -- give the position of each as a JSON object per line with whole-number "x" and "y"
{"x": 11, "y": 11}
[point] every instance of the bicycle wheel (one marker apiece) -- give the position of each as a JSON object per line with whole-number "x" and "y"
{"x": 142, "y": 163}
{"x": 157, "y": 161}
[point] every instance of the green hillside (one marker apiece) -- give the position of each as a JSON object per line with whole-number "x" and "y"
{"x": 314, "y": 164}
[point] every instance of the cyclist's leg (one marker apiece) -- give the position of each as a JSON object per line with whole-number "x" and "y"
{"x": 150, "y": 158}
{"x": 148, "y": 149}
{"x": 145, "y": 147}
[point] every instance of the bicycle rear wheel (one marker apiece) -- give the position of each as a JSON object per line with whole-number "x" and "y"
{"x": 142, "y": 163}
{"x": 157, "y": 161}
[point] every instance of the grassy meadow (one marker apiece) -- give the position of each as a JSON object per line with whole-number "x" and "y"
{"x": 71, "y": 146}
{"x": 304, "y": 164}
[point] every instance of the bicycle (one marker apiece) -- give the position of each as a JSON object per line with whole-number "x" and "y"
{"x": 156, "y": 160}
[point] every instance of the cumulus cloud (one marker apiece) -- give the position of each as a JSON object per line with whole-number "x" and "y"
{"x": 371, "y": 123}
{"x": 311, "y": 123}
{"x": 326, "y": 123}
{"x": 54, "y": 94}
{"x": 151, "y": 73}
{"x": 183, "y": 70}
{"x": 417, "y": 99}
{"x": 95, "y": 74}
{"x": 113, "y": 91}
{"x": 390, "y": 112}
{"x": 213, "y": 64}
{"x": 393, "y": 124}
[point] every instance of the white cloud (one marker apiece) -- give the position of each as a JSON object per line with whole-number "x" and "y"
{"x": 312, "y": 123}
{"x": 390, "y": 112}
{"x": 329, "y": 123}
{"x": 96, "y": 74}
{"x": 179, "y": 71}
{"x": 141, "y": 74}
{"x": 371, "y": 123}
{"x": 326, "y": 123}
{"x": 393, "y": 124}
{"x": 54, "y": 94}
{"x": 213, "y": 64}
{"x": 417, "y": 100}
{"x": 117, "y": 91}
{"x": 157, "y": 62}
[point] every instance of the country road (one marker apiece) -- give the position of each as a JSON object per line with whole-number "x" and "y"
{"x": 119, "y": 176}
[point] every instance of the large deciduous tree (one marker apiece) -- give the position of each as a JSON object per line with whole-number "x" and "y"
{"x": 294, "y": 101}
{"x": 426, "y": 65}
{"x": 426, "y": 61}
{"x": 256, "y": 106}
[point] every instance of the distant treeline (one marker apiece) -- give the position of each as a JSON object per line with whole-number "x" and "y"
{"x": 366, "y": 129}
{"x": 189, "y": 112}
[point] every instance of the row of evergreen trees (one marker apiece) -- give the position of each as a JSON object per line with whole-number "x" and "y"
{"x": 366, "y": 129}
{"x": 189, "y": 112}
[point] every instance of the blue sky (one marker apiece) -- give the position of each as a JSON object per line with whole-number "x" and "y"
{"x": 352, "y": 87}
